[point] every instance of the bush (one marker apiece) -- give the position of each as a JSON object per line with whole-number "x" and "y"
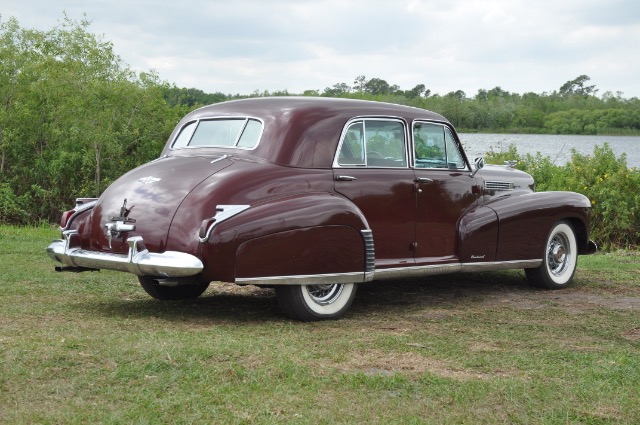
{"x": 612, "y": 187}
{"x": 13, "y": 208}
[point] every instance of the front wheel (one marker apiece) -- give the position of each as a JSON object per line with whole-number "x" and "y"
{"x": 560, "y": 259}
{"x": 184, "y": 291}
{"x": 316, "y": 302}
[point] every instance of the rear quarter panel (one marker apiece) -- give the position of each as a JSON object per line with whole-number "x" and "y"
{"x": 316, "y": 250}
{"x": 305, "y": 233}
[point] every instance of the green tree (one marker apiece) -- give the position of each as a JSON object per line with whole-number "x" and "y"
{"x": 577, "y": 86}
{"x": 337, "y": 90}
{"x": 73, "y": 118}
{"x": 377, "y": 86}
{"x": 359, "y": 83}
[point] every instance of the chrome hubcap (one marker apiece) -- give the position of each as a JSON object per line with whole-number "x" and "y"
{"x": 325, "y": 294}
{"x": 558, "y": 254}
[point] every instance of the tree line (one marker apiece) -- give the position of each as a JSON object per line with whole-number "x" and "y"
{"x": 574, "y": 108}
{"x": 74, "y": 116}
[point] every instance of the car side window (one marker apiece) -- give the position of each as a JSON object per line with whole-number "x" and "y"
{"x": 435, "y": 147}
{"x": 373, "y": 143}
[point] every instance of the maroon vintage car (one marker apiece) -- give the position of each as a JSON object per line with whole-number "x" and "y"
{"x": 312, "y": 196}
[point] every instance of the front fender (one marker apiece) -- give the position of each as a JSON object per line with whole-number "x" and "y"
{"x": 302, "y": 234}
{"x": 524, "y": 222}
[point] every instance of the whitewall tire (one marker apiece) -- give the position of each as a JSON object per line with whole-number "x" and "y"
{"x": 559, "y": 261}
{"x": 316, "y": 302}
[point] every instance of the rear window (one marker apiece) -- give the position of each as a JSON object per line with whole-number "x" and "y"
{"x": 228, "y": 132}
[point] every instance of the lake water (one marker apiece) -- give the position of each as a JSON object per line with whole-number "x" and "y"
{"x": 557, "y": 147}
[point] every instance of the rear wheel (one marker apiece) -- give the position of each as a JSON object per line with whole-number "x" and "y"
{"x": 184, "y": 291}
{"x": 560, "y": 259}
{"x": 316, "y": 302}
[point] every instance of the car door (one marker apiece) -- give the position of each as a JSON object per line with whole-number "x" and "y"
{"x": 445, "y": 190}
{"x": 371, "y": 168}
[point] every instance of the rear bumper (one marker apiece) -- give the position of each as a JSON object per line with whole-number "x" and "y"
{"x": 138, "y": 261}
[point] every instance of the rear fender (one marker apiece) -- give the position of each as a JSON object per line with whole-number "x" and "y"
{"x": 286, "y": 236}
{"x": 312, "y": 255}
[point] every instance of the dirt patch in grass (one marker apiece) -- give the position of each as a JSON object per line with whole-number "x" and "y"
{"x": 382, "y": 363}
{"x": 632, "y": 334}
{"x": 572, "y": 300}
{"x": 442, "y": 295}
{"x": 222, "y": 288}
{"x": 403, "y": 306}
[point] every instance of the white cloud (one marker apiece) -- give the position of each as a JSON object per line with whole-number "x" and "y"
{"x": 247, "y": 45}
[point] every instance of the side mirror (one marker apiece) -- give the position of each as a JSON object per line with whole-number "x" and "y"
{"x": 479, "y": 164}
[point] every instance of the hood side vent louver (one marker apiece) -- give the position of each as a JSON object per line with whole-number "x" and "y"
{"x": 498, "y": 185}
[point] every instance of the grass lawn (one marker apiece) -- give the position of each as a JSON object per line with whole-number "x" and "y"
{"x": 469, "y": 348}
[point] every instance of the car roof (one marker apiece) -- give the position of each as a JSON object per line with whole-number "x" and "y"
{"x": 301, "y": 131}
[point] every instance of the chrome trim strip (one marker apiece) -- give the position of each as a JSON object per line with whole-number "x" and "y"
{"x": 416, "y": 271}
{"x": 225, "y": 156}
{"x": 79, "y": 208}
{"x": 437, "y": 269}
{"x": 312, "y": 279}
{"x": 138, "y": 260}
{"x": 223, "y": 212}
{"x": 85, "y": 203}
{"x": 501, "y": 265}
{"x": 395, "y": 273}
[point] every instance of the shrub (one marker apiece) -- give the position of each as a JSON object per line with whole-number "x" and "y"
{"x": 612, "y": 187}
{"x": 13, "y": 208}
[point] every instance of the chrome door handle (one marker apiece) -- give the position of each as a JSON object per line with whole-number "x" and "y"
{"x": 423, "y": 180}
{"x": 345, "y": 178}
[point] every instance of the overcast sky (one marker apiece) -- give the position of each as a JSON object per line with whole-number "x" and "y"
{"x": 241, "y": 46}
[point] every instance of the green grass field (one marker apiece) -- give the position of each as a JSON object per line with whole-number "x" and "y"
{"x": 469, "y": 348}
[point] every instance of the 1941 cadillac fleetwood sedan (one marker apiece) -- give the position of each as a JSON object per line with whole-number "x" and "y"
{"x": 313, "y": 196}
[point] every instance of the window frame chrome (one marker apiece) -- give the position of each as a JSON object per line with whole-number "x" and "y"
{"x": 456, "y": 140}
{"x": 365, "y": 166}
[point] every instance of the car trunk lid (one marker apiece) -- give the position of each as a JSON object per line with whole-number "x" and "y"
{"x": 147, "y": 199}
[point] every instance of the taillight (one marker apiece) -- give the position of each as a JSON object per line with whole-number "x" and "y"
{"x": 65, "y": 218}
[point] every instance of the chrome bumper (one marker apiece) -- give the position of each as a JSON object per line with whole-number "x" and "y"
{"x": 138, "y": 261}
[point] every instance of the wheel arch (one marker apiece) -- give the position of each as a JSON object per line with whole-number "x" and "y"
{"x": 581, "y": 230}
